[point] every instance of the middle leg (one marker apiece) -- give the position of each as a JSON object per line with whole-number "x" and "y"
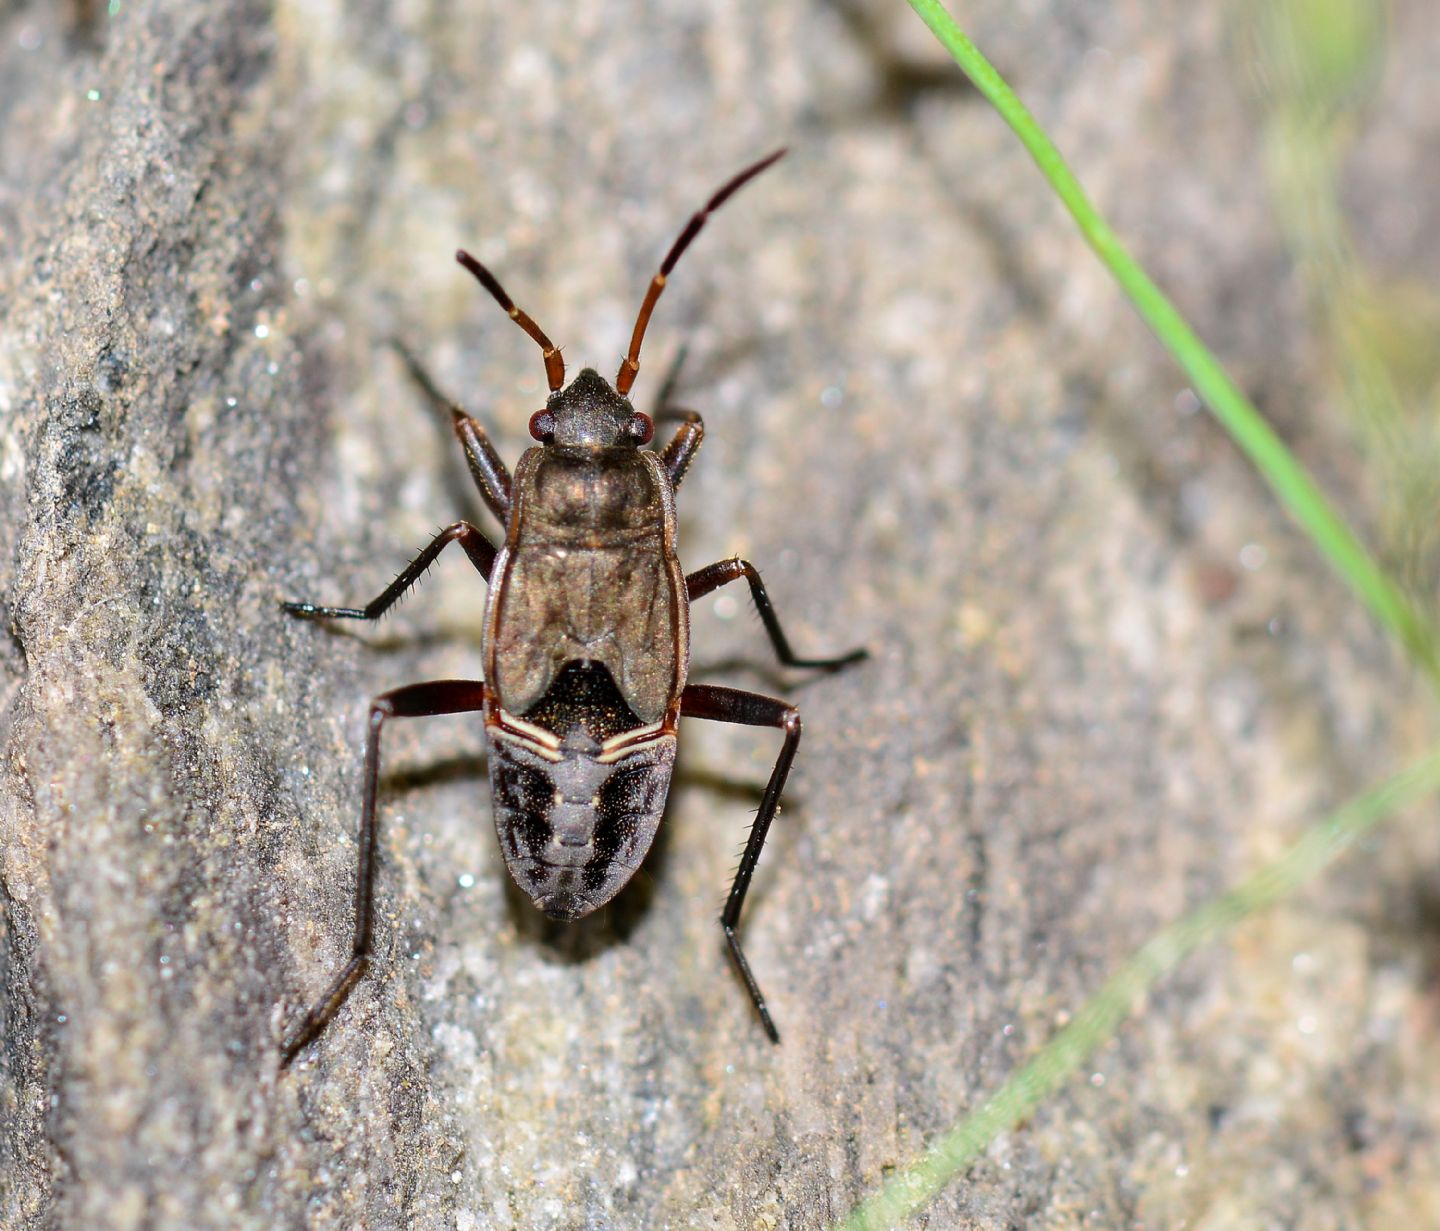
{"x": 480, "y": 550}
{"x": 713, "y": 576}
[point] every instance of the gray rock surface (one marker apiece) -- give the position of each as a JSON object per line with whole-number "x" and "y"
{"x": 937, "y": 429}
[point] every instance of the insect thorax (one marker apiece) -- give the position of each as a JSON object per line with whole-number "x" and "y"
{"x": 589, "y": 574}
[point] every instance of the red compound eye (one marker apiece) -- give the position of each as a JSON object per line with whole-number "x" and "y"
{"x": 642, "y": 429}
{"x": 542, "y": 425}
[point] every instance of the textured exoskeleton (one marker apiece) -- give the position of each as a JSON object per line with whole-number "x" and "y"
{"x": 587, "y": 639}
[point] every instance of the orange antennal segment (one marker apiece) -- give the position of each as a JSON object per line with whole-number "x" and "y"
{"x": 631, "y": 365}
{"x": 554, "y": 364}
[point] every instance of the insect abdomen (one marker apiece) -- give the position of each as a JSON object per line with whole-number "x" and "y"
{"x": 579, "y": 783}
{"x": 575, "y": 822}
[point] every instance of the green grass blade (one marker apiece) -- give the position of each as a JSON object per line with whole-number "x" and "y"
{"x": 1287, "y": 478}
{"x": 909, "y": 1189}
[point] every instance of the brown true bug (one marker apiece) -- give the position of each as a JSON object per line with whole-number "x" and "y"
{"x": 586, "y": 645}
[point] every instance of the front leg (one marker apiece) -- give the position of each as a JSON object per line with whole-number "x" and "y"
{"x": 680, "y": 452}
{"x": 714, "y": 576}
{"x": 486, "y": 466}
{"x": 476, "y": 545}
{"x": 751, "y": 709}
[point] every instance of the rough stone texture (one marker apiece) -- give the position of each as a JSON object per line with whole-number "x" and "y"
{"x": 936, "y": 428}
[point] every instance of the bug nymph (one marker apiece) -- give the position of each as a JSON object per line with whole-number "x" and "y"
{"x": 586, "y": 645}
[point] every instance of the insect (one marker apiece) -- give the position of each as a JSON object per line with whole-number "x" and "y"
{"x": 586, "y": 646}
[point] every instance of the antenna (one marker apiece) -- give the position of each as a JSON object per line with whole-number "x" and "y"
{"x": 631, "y": 365}
{"x": 554, "y": 364}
